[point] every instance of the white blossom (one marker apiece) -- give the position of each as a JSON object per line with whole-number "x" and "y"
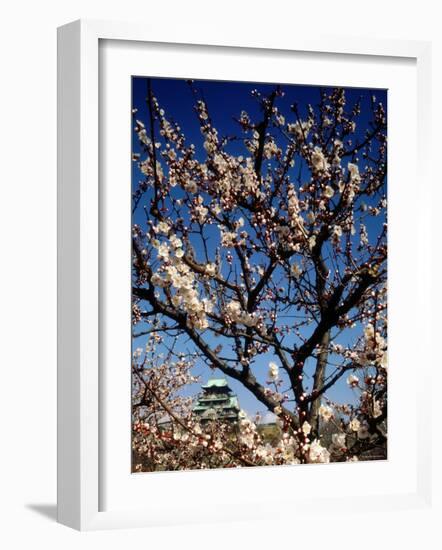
{"x": 319, "y": 161}
{"x": 317, "y": 453}
{"x": 377, "y": 409}
{"x": 352, "y": 380}
{"x": 354, "y": 425}
{"x": 325, "y": 412}
{"x": 273, "y": 372}
{"x": 210, "y": 269}
{"x": 306, "y": 428}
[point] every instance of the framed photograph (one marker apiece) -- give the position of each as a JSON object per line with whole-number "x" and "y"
{"x": 235, "y": 248}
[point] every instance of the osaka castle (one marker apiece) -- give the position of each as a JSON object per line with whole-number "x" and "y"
{"x": 217, "y": 402}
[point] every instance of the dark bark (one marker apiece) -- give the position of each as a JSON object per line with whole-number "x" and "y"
{"x": 318, "y": 383}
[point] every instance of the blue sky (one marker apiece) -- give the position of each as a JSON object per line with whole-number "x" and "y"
{"x": 226, "y": 100}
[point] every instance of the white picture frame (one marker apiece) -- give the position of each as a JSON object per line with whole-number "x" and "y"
{"x": 79, "y": 267}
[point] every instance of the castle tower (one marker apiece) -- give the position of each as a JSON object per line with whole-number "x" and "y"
{"x": 217, "y": 402}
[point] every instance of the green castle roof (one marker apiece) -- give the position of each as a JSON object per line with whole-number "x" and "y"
{"x": 230, "y": 403}
{"x": 212, "y": 404}
{"x": 216, "y": 383}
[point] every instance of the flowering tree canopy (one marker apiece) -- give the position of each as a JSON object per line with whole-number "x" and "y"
{"x": 270, "y": 243}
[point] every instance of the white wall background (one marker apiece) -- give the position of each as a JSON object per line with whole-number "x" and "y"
{"x": 28, "y": 269}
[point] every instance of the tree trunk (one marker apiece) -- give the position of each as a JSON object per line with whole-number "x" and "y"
{"x": 318, "y": 383}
